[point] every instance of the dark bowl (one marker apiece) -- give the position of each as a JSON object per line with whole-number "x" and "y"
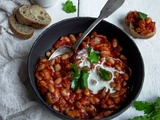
{"x": 75, "y": 25}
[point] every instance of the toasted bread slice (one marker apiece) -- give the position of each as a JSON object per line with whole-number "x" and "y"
{"x": 33, "y": 15}
{"x": 18, "y": 29}
{"x": 127, "y": 22}
{"x": 137, "y": 35}
{"x": 133, "y": 27}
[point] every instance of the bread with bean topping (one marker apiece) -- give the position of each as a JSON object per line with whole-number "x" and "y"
{"x": 140, "y": 25}
{"x": 141, "y": 36}
{"x": 20, "y": 30}
{"x": 33, "y": 15}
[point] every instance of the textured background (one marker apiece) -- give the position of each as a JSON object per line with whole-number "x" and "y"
{"x": 16, "y": 101}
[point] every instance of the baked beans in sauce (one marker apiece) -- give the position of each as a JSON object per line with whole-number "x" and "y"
{"x": 143, "y": 26}
{"x": 100, "y": 96}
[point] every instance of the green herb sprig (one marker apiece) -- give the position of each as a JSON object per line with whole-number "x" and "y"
{"x": 76, "y": 73}
{"x": 68, "y": 7}
{"x": 151, "y": 110}
{"x": 93, "y": 55}
{"x": 105, "y": 74}
{"x": 83, "y": 79}
{"x": 143, "y": 16}
{"x": 79, "y": 78}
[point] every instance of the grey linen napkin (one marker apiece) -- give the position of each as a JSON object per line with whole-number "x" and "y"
{"x": 16, "y": 102}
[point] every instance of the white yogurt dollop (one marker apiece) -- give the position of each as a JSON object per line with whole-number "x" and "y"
{"x": 95, "y": 83}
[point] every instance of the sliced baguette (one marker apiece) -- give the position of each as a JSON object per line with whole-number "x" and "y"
{"x": 134, "y": 33}
{"x": 137, "y": 35}
{"x": 33, "y": 15}
{"x": 127, "y": 22}
{"x": 20, "y": 30}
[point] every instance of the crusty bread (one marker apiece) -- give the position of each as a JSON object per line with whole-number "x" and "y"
{"x": 33, "y": 15}
{"x": 18, "y": 29}
{"x": 134, "y": 33}
{"x": 127, "y": 22}
{"x": 137, "y": 35}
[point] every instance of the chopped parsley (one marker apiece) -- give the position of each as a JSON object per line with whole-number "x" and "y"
{"x": 75, "y": 77}
{"x": 83, "y": 80}
{"x": 68, "y": 7}
{"x": 151, "y": 110}
{"x": 105, "y": 75}
{"x": 79, "y": 78}
{"x": 143, "y": 16}
{"x": 93, "y": 56}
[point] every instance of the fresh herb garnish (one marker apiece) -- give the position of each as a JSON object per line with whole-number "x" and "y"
{"x": 93, "y": 55}
{"x": 79, "y": 78}
{"x": 83, "y": 79}
{"x": 76, "y": 75}
{"x": 143, "y": 16}
{"x": 68, "y": 7}
{"x": 151, "y": 110}
{"x": 106, "y": 75}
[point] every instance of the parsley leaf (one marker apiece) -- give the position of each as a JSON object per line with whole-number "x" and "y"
{"x": 144, "y": 106}
{"x": 151, "y": 110}
{"x": 93, "y": 55}
{"x": 143, "y": 16}
{"x": 155, "y": 114}
{"x": 106, "y": 75}
{"x": 76, "y": 75}
{"x": 79, "y": 78}
{"x": 84, "y": 77}
{"x": 157, "y": 103}
{"x": 68, "y": 7}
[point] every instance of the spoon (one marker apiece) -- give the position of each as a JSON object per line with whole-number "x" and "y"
{"x": 110, "y": 7}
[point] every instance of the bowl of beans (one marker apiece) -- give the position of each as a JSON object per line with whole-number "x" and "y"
{"x": 100, "y": 81}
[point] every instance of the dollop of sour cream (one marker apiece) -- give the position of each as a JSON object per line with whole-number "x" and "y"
{"x": 95, "y": 83}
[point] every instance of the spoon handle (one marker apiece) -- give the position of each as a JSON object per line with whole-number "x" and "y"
{"x": 110, "y": 7}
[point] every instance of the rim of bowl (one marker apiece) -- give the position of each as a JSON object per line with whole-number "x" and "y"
{"x": 62, "y": 116}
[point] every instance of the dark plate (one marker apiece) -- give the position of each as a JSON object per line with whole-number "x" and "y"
{"x": 75, "y": 25}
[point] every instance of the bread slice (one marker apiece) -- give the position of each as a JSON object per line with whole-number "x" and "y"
{"x": 137, "y": 35}
{"x": 133, "y": 31}
{"x": 18, "y": 29}
{"x": 127, "y": 22}
{"x": 33, "y": 15}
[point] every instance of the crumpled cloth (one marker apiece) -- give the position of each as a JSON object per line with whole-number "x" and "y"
{"x": 16, "y": 103}
{"x": 16, "y": 100}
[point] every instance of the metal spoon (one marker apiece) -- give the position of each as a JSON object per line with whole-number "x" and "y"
{"x": 110, "y": 7}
